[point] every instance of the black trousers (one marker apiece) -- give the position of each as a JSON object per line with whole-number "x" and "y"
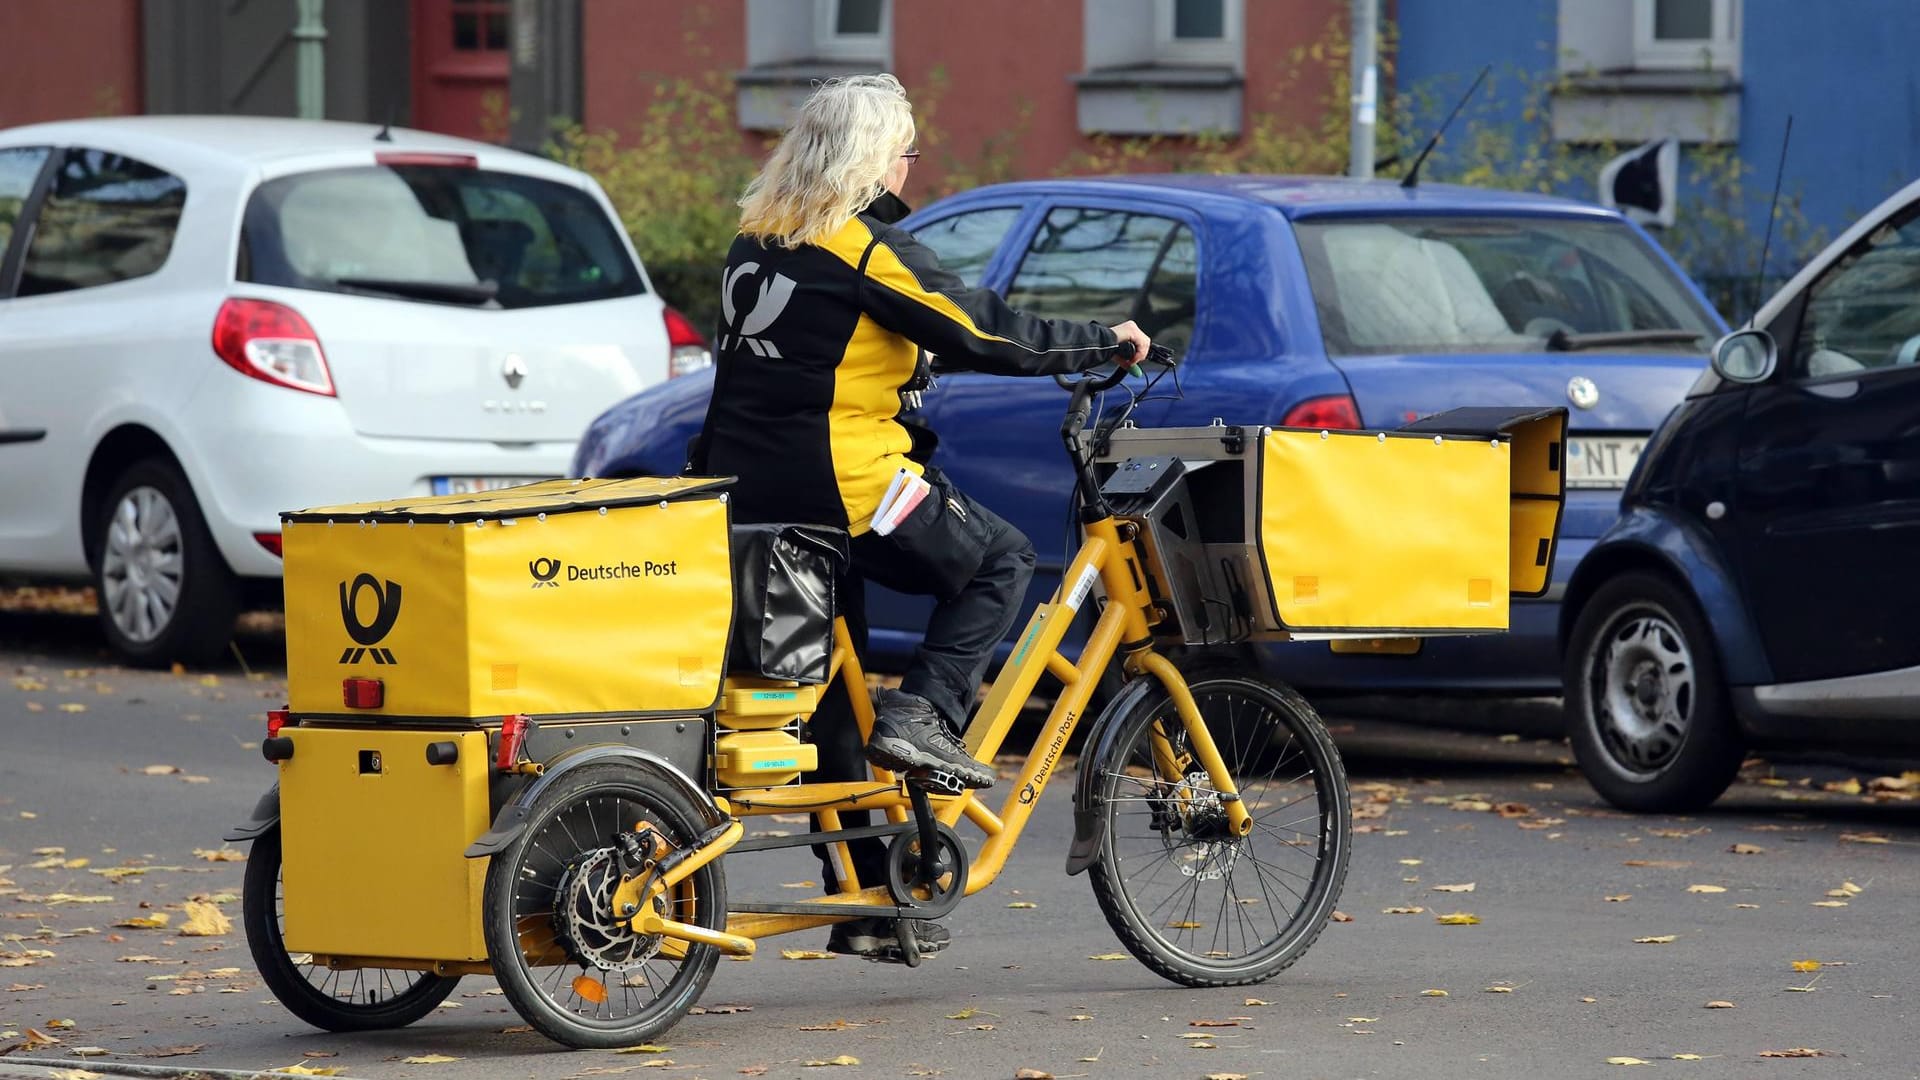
{"x": 977, "y": 567}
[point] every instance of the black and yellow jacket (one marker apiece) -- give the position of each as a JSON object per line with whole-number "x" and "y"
{"x": 815, "y": 346}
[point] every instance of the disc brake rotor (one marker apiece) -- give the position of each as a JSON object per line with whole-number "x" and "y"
{"x": 1205, "y": 816}
{"x": 583, "y": 918}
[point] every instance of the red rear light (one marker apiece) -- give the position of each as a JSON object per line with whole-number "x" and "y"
{"x": 414, "y": 157}
{"x": 272, "y": 343}
{"x": 276, "y": 720}
{"x": 686, "y": 350}
{"x": 363, "y": 693}
{"x": 513, "y": 735}
{"x": 270, "y": 541}
{"x": 1335, "y": 412}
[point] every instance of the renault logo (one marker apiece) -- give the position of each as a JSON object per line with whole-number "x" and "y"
{"x": 514, "y": 371}
{"x": 1582, "y": 392}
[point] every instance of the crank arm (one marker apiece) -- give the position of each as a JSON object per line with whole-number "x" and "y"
{"x": 731, "y": 944}
{"x": 636, "y": 894}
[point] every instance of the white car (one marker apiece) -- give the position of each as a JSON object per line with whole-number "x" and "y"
{"x": 207, "y": 320}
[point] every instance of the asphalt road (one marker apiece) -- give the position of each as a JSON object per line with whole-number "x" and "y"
{"x": 1562, "y": 891}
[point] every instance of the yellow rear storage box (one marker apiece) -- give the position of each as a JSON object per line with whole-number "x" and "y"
{"x": 561, "y": 598}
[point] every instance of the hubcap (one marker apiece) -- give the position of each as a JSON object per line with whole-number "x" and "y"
{"x": 142, "y": 564}
{"x": 1641, "y": 683}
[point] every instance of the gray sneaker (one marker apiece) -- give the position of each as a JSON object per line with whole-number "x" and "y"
{"x": 908, "y": 734}
{"x": 878, "y": 939}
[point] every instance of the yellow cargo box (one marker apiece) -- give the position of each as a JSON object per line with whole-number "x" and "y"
{"x": 560, "y": 598}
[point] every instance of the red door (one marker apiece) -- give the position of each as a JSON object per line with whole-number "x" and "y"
{"x": 460, "y": 67}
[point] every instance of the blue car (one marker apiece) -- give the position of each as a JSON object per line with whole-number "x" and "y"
{"x": 1760, "y": 588}
{"x": 1321, "y": 302}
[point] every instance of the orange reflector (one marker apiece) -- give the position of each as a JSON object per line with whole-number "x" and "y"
{"x": 590, "y": 989}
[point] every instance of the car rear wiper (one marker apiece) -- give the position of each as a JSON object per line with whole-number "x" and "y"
{"x": 1561, "y": 341}
{"x": 453, "y": 292}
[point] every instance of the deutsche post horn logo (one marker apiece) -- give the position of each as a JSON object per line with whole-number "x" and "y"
{"x": 386, "y": 603}
{"x": 544, "y": 571}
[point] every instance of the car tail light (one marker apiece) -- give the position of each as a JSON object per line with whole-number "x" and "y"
{"x": 272, "y": 343}
{"x": 513, "y": 735}
{"x": 276, "y": 720}
{"x": 270, "y": 541}
{"x": 363, "y": 693}
{"x": 1335, "y": 412}
{"x": 414, "y": 157}
{"x": 687, "y": 350}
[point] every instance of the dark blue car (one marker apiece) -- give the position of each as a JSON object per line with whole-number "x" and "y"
{"x": 1303, "y": 301}
{"x": 1762, "y": 586}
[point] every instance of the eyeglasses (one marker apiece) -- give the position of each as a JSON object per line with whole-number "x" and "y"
{"x": 911, "y": 155}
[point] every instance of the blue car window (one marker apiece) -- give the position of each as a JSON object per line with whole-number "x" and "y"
{"x": 1090, "y": 264}
{"x": 19, "y": 168}
{"x": 966, "y": 242}
{"x": 1166, "y": 312}
{"x": 1864, "y": 312}
{"x": 1406, "y": 284}
{"x": 107, "y": 219}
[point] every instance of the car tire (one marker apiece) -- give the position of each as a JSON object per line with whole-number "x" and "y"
{"x": 165, "y": 592}
{"x": 1647, "y": 709}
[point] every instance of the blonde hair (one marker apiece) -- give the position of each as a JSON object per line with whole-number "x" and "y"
{"x": 831, "y": 163}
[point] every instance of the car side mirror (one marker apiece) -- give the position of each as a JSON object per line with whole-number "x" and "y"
{"x": 1745, "y": 356}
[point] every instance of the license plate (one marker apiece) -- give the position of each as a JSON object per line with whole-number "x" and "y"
{"x": 468, "y": 485}
{"x": 1602, "y": 461}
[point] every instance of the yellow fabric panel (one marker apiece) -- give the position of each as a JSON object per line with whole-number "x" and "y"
{"x": 374, "y": 861}
{"x": 1361, "y": 533}
{"x": 886, "y": 269}
{"x": 1534, "y": 521}
{"x": 1539, "y": 455}
{"x": 869, "y": 446}
{"x": 582, "y": 612}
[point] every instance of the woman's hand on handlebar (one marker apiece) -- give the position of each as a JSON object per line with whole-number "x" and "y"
{"x": 1130, "y": 334}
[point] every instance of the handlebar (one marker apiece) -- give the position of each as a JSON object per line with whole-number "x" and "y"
{"x": 1078, "y": 407}
{"x": 1157, "y": 354}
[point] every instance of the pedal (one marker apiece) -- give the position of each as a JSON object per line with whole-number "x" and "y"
{"x": 937, "y": 782}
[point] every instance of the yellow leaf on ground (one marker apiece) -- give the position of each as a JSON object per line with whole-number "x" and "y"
{"x": 1363, "y": 1019}
{"x": 1109, "y": 956}
{"x": 1023, "y": 904}
{"x": 964, "y": 1014}
{"x": 799, "y": 884}
{"x": 220, "y": 855}
{"x": 1403, "y": 911}
{"x": 644, "y": 1048}
{"x": 1079, "y": 1016}
{"x": 1458, "y": 918}
{"x": 1749, "y": 907}
{"x": 1806, "y": 965}
{"x": 61, "y": 1025}
{"x": 1468, "y": 887}
{"x": 1499, "y": 990}
{"x": 161, "y": 770}
{"x": 1409, "y": 862}
{"x": 155, "y": 921}
{"x": 1627, "y": 1061}
{"x": 37, "y": 1039}
{"x": 205, "y": 920}
{"x": 1849, "y": 786}
{"x": 1706, "y": 888}
{"x": 1829, "y": 903}
{"x": 310, "y": 1070}
{"x": 1850, "y": 888}
{"x": 1226, "y": 1076}
{"x": 1688, "y": 1057}
{"x": 1619, "y": 898}
{"x": 1254, "y": 1003}
{"x": 843, "y": 1059}
{"x": 1746, "y": 849}
{"x": 1863, "y": 838}
{"x": 1340, "y": 916}
{"x": 1663, "y": 939}
{"x": 805, "y": 954}
{"x": 1433, "y": 993}
{"x": 1032, "y": 1074}
{"x": 428, "y": 1059}
{"x": 1796, "y": 1052}
{"x": 72, "y": 707}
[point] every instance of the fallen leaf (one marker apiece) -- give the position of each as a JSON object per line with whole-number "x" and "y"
{"x": 1079, "y": 1016}
{"x": 21, "y": 988}
{"x": 90, "y": 1051}
{"x": 719, "y": 1010}
{"x": 1409, "y": 862}
{"x": 1213, "y": 1023}
{"x": 1458, "y": 918}
{"x": 1109, "y": 956}
{"x": 161, "y": 770}
{"x": 74, "y": 1074}
{"x": 1254, "y": 1003}
{"x": 1402, "y": 911}
{"x": 1863, "y": 838}
{"x": 1468, "y": 887}
{"x": 170, "y": 1051}
{"x": 1627, "y": 1061}
{"x": 1226, "y": 1076}
{"x": 1433, "y": 993}
{"x": 428, "y": 1059}
{"x": 1498, "y": 990}
{"x": 1796, "y": 1052}
{"x": 1363, "y": 1019}
{"x": 1203, "y": 1046}
{"x": 964, "y": 1014}
{"x": 61, "y": 1025}
{"x": 220, "y": 855}
{"x": 1806, "y": 965}
{"x": 311, "y": 1070}
{"x": 72, "y": 707}
{"x": 1513, "y": 810}
{"x": 1340, "y": 916}
{"x": 1688, "y": 1057}
{"x": 1032, "y": 1074}
{"x": 1541, "y": 823}
{"x": 334, "y": 1053}
{"x": 1473, "y": 805}
{"x": 155, "y": 921}
{"x": 1588, "y": 1000}
{"x": 1849, "y": 786}
{"x": 1661, "y": 864}
{"x": 1829, "y": 903}
{"x": 843, "y": 1059}
{"x": 644, "y": 1048}
{"x": 1663, "y": 939}
{"x": 1706, "y": 888}
{"x": 754, "y": 1070}
{"x": 205, "y": 920}
{"x": 1746, "y": 849}
{"x": 37, "y": 1039}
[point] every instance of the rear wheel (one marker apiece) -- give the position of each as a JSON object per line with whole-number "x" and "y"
{"x": 570, "y": 966}
{"x": 362, "y": 999}
{"x": 1192, "y": 901}
{"x": 165, "y": 592}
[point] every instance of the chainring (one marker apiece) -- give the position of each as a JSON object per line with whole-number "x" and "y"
{"x": 583, "y": 920}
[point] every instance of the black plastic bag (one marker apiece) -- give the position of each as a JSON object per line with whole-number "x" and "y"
{"x": 784, "y": 582}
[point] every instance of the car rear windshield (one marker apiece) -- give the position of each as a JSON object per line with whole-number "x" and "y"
{"x": 435, "y": 233}
{"x": 1386, "y": 285}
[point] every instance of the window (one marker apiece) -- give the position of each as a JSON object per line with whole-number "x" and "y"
{"x": 966, "y": 242}
{"x": 1197, "y": 31}
{"x": 850, "y": 29}
{"x": 1685, "y": 34}
{"x": 1864, "y": 312}
{"x": 433, "y": 232}
{"x": 480, "y": 25}
{"x": 107, "y": 219}
{"x": 1474, "y": 285}
{"x": 1111, "y": 266}
{"x": 19, "y": 168}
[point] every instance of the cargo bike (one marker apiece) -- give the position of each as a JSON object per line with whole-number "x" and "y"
{"x": 527, "y": 728}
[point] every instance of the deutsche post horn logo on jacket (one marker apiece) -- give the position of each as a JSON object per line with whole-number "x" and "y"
{"x": 758, "y": 316}
{"x": 386, "y": 611}
{"x": 544, "y": 571}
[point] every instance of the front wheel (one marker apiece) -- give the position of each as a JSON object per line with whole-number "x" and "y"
{"x": 567, "y": 963}
{"x": 1192, "y": 901}
{"x": 359, "y": 999}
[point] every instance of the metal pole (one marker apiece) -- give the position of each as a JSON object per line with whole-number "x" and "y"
{"x": 1365, "y": 80}
{"x": 310, "y": 60}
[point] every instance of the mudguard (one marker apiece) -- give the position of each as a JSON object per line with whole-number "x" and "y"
{"x": 512, "y": 818}
{"x": 1086, "y": 796}
{"x": 266, "y": 814}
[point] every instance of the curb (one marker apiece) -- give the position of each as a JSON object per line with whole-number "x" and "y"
{"x": 19, "y": 1068}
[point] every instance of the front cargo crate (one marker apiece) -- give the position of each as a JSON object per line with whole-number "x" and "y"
{"x": 1425, "y": 530}
{"x": 563, "y": 598}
